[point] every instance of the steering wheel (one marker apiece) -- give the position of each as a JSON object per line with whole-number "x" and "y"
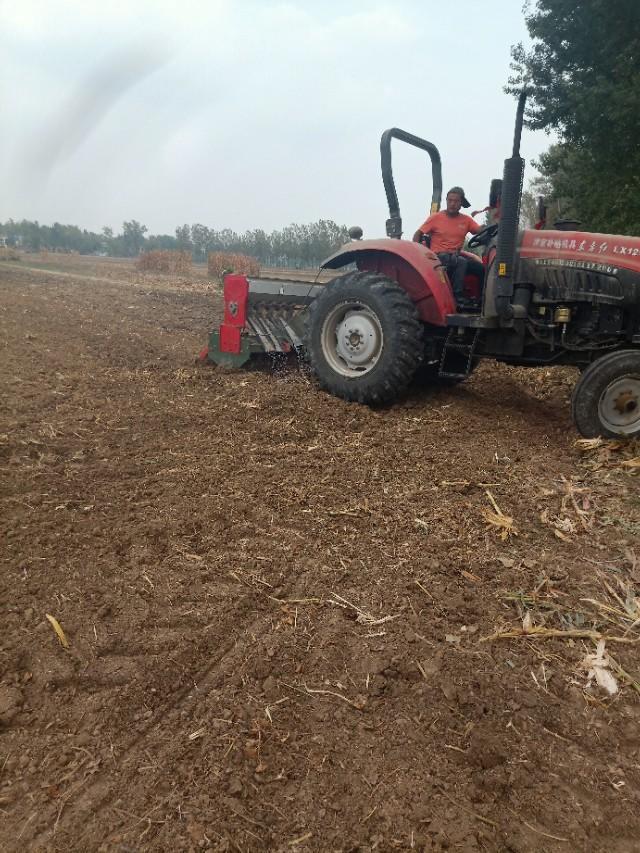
{"x": 483, "y": 237}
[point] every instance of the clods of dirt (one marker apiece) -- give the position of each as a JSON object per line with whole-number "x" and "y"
{"x": 295, "y": 623}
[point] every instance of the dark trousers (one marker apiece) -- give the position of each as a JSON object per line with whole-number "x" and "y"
{"x": 456, "y": 266}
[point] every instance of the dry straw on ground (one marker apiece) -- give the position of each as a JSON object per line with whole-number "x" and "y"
{"x": 178, "y": 263}
{"x": 220, "y": 262}
{"x": 9, "y": 254}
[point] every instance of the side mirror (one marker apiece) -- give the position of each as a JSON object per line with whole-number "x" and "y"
{"x": 355, "y": 232}
{"x": 541, "y": 209}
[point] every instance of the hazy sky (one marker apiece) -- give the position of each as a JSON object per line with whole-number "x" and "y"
{"x": 249, "y": 114}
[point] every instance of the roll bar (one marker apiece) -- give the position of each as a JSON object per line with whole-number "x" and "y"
{"x": 394, "y": 223}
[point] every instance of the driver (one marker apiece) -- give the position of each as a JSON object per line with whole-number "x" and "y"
{"x": 448, "y": 229}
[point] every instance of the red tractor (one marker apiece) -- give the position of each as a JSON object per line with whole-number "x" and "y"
{"x": 537, "y": 298}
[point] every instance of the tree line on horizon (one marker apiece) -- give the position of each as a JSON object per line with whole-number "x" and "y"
{"x": 294, "y": 245}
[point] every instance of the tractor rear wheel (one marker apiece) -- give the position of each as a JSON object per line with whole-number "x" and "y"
{"x": 363, "y": 337}
{"x": 606, "y": 398}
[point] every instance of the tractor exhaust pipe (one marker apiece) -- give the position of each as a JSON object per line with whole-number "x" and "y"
{"x": 394, "y": 223}
{"x": 503, "y": 270}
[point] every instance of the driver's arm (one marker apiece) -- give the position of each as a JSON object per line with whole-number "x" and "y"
{"x": 474, "y": 228}
{"x": 425, "y": 228}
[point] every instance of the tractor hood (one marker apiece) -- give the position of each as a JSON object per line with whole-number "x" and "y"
{"x": 601, "y": 252}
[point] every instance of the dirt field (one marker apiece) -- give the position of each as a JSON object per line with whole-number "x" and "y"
{"x": 282, "y": 609}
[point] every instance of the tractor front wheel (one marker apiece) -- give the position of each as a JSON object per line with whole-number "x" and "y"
{"x": 364, "y": 338}
{"x": 606, "y": 398}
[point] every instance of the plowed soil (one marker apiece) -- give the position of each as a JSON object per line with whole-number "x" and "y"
{"x": 284, "y": 613}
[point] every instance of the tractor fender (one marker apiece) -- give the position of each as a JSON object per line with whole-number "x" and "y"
{"x": 414, "y": 267}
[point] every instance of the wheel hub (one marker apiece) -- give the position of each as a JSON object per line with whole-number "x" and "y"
{"x": 619, "y": 406}
{"x": 626, "y": 403}
{"x": 357, "y": 339}
{"x": 352, "y": 339}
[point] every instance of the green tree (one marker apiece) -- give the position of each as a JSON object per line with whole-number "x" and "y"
{"x": 200, "y": 240}
{"x": 106, "y": 240}
{"x": 183, "y": 238}
{"x": 161, "y": 241}
{"x": 583, "y": 76}
{"x": 133, "y": 238}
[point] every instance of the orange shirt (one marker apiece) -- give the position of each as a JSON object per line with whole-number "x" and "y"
{"x": 448, "y": 232}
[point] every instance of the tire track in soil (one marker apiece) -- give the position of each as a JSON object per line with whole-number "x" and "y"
{"x": 72, "y": 275}
{"x": 94, "y": 791}
{"x": 99, "y": 795}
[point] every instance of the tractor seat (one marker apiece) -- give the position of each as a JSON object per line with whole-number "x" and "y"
{"x": 473, "y": 279}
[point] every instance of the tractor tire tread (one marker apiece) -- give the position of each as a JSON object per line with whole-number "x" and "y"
{"x": 590, "y": 386}
{"x": 404, "y": 333}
